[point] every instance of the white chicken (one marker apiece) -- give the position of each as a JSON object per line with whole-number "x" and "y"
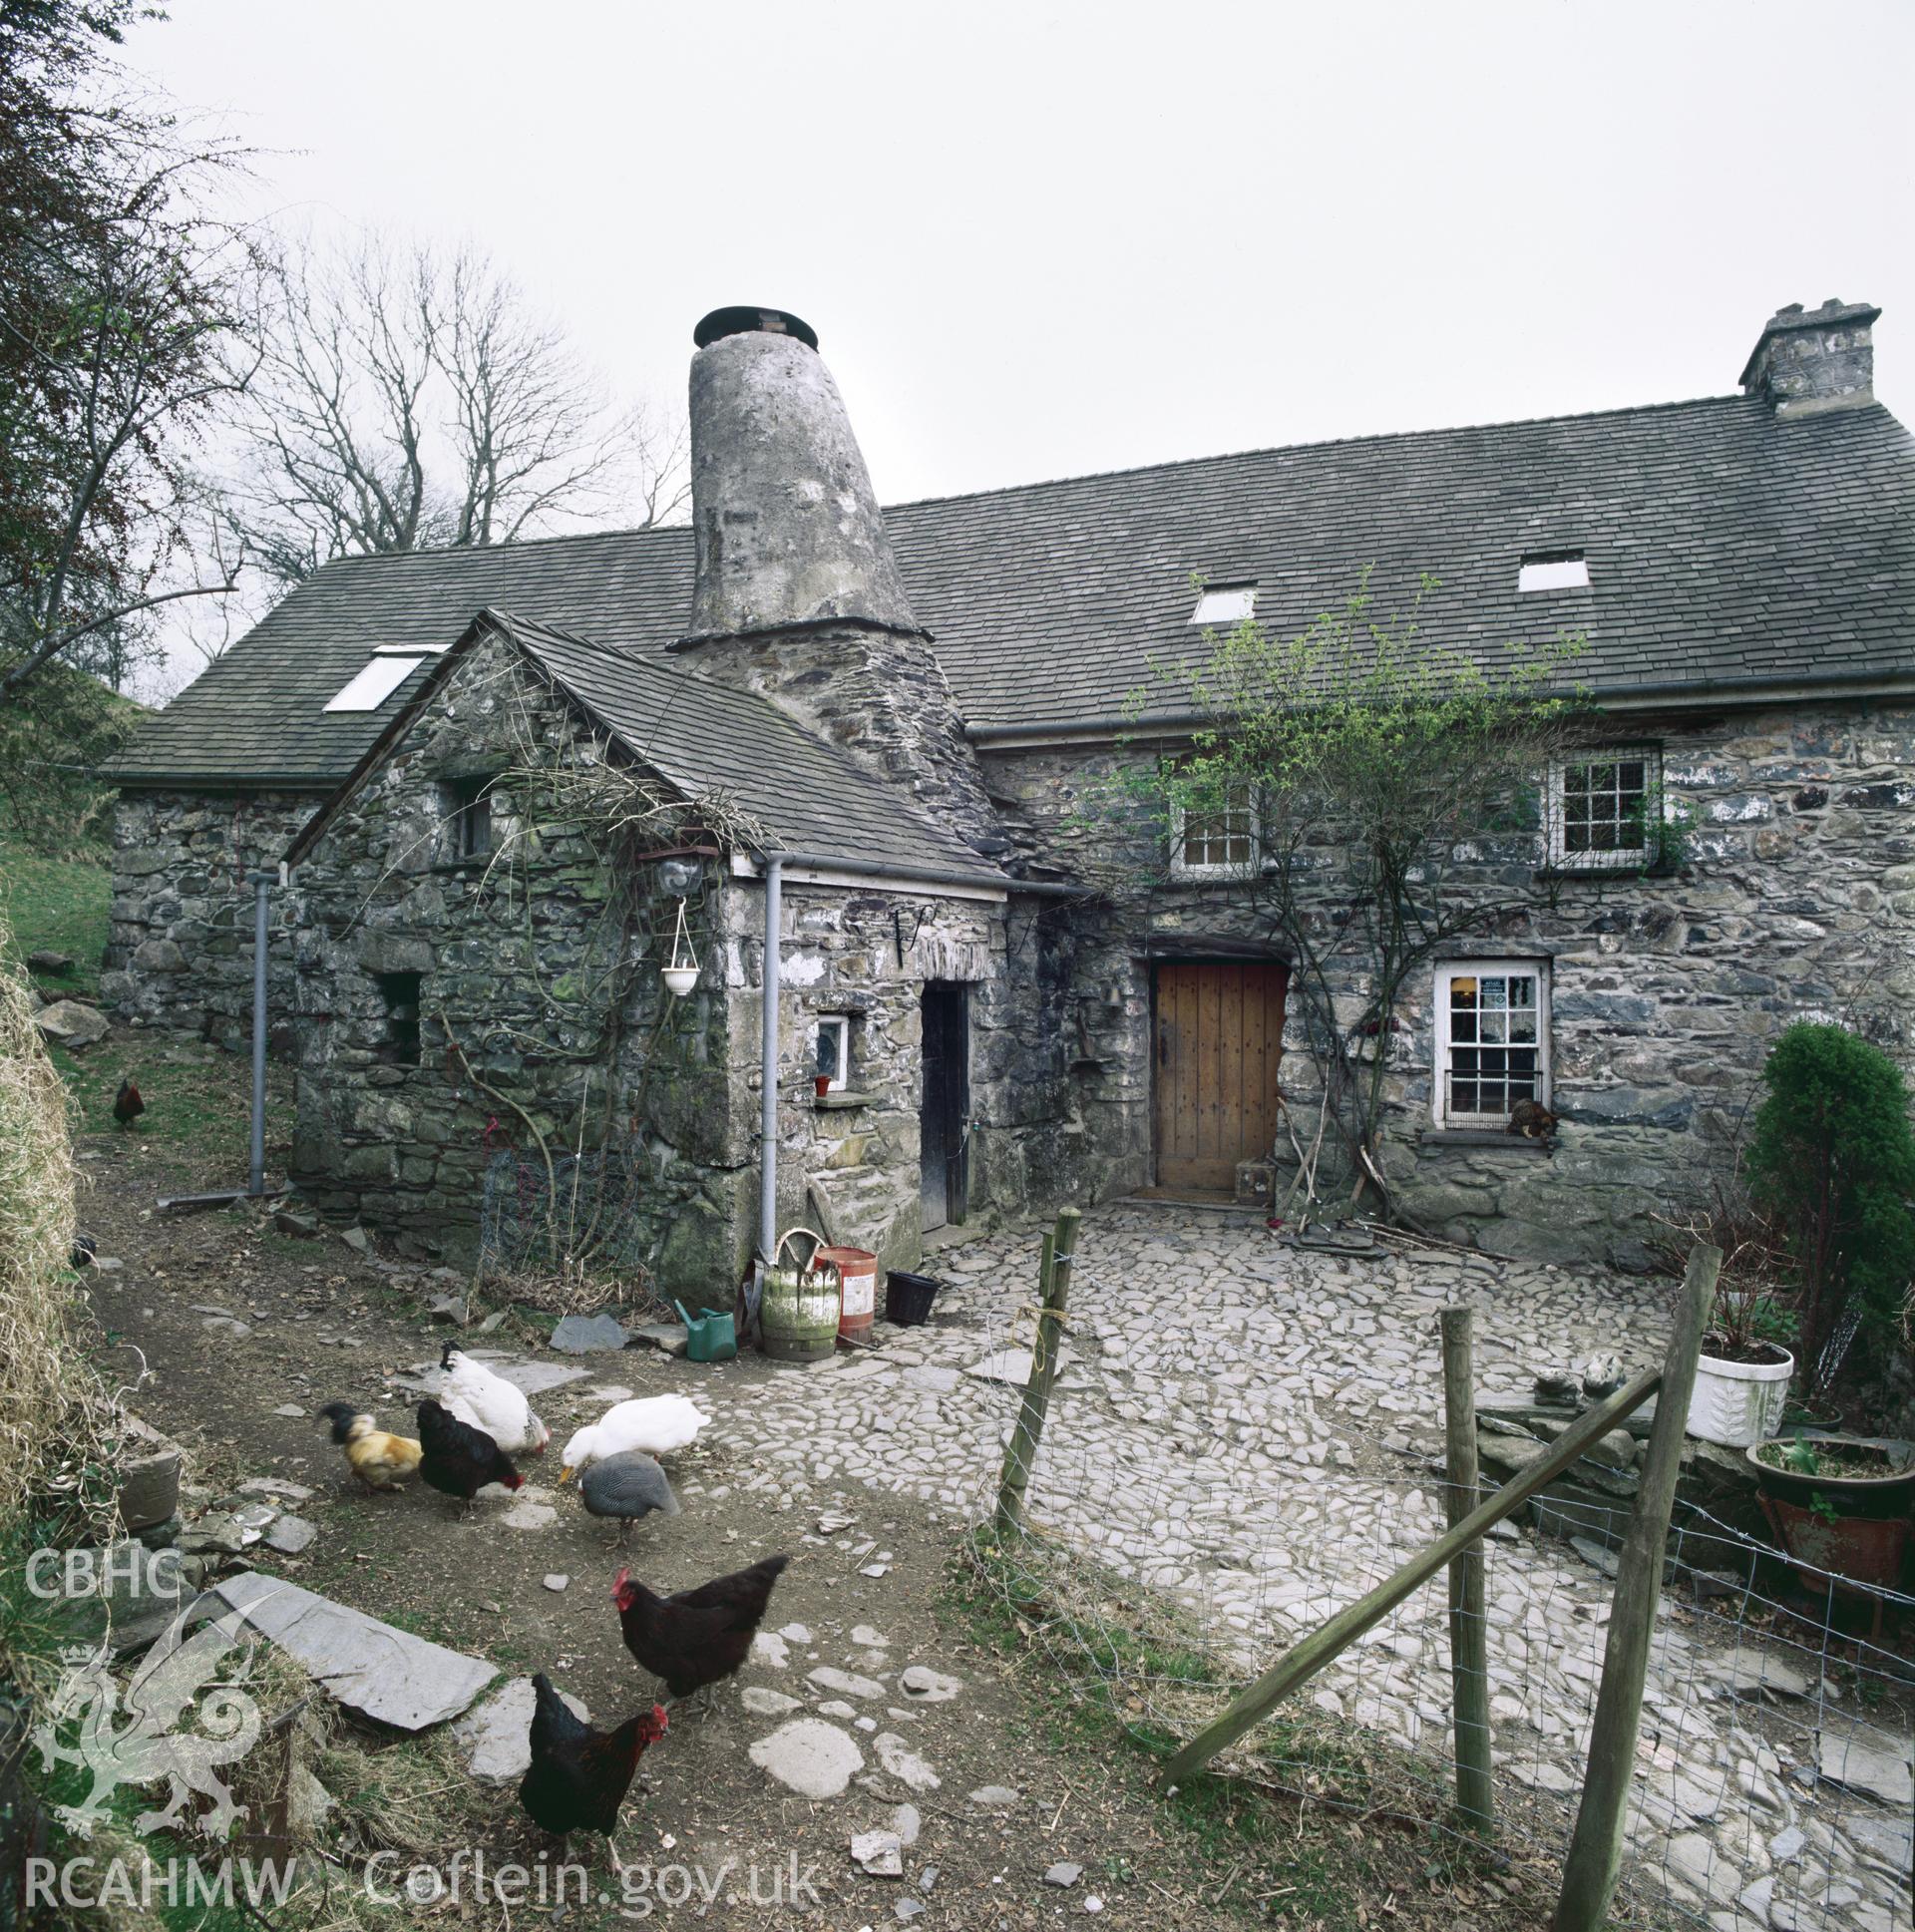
{"x": 651, "y": 1424}
{"x": 487, "y": 1401}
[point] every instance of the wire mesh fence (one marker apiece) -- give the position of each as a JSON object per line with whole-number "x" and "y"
{"x": 1194, "y": 1507}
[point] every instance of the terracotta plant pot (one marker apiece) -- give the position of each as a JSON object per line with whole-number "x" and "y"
{"x": 1866, "y": 1536}
{"x": 822, "y": 1081}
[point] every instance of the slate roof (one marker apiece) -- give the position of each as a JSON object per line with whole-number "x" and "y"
{"x": 1724, "y": 548}
{"x": 706, "y": 739}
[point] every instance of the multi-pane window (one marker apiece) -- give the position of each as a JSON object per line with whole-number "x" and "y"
{"x": 1492, "y": 1040}
{"x": 1602, "y": 806}
{"x": 1216, "y": 839}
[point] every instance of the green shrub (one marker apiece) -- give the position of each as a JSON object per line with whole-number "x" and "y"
{"x": 1832, "y": 1157}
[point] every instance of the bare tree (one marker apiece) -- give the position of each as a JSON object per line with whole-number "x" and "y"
{"x": 410, "y": 402}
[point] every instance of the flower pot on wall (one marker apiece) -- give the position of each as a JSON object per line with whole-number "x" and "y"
{"x": 679, "y": 979}
{"x": 1740, "y": 1403}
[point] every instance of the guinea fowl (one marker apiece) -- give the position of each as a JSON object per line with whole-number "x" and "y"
{"x": 127, "y": 1104}
{"x": 458, "y": 1459}
{"x": 580, "y": 1776}
{"x": 627, "y": 1487}
{"x": 697, "y": 1638}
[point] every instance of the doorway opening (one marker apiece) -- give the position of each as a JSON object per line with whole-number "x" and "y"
{"x": 943, "y": 1121}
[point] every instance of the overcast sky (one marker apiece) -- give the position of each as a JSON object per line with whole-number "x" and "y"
{"x": 1042, "y": 239}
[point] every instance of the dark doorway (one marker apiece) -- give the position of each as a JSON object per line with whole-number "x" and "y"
{"x": 1219, "y": 1034}
{"x": 946, "y": 1101}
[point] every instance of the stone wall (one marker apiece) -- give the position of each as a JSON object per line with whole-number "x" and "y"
{"x": 179, "y": 952}
{"x": 542, "y": 1027}
{"x": 1796, "y": 900}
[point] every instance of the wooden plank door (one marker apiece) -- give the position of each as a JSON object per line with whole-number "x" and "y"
{"x": 947, "y": 1101}
{"x": 1220, "y": 1031}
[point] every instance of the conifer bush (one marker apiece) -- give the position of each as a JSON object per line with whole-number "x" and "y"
{"x": 1832, "y": 1157}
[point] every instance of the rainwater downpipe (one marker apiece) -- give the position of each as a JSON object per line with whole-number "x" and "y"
{"x": 256, "y": 1180}
{"x": 768, "y": 1065}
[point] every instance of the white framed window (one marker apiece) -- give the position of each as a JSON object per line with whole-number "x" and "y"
{"x": 1492, "y": 1040}
{"x": 1553, "y": 570}
{"x": 1219, "y": 603}
{"x": 1217, "y": 842}
{"x": 831, "y": 1050}
{"x": 1603, "y": 805}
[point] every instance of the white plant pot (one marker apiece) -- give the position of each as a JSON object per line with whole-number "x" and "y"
{"x": 679, "y": 979}
{"x": 1739, "y": 1403}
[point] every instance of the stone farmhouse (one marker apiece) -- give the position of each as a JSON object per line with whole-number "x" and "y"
{"x": 858, "y": 742}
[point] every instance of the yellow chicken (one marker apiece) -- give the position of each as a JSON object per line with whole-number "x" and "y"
{"x": 379, "y": 1460}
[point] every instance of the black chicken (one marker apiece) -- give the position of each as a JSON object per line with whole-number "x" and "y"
{"x": 459, "y": 1461}
{"x": 696, "y": 1638}
{"x": 127, "y": 1104}
{"x": 580, "y": 1776}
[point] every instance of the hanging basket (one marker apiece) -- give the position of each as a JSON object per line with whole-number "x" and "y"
{"x": 681, "y": 974}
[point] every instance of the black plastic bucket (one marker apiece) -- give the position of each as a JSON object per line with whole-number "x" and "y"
{"x": 907, "y": 1299}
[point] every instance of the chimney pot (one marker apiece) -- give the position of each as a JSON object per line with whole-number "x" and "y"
{"x": 743, "y": 320}
{"x": 1805, "y": 364}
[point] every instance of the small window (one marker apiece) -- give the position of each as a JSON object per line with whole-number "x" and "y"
{"x": 375, "y": 683}
{"x": 1603, "y": 807}
{"x": 1554, "y": 571}
{"x": 401, "y": 993}
{"x": 468, "y": 814}
{"x": 1214, "y": 843}
{"x": 1492, "y": 1040}
{"x": 831, "y": 1056}
{"x": 1225, "y": 603}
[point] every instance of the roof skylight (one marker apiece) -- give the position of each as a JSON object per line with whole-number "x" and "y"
{"x": 1225, "y": 603}
{"x": 1554, "y": 571}
{"x": 373, "y": 685}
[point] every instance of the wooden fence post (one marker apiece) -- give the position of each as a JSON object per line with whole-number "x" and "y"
{"x": 1022, "y": 1451}
{"x": 1468, "y": 1633}
{"x": 1595, "y": 1849}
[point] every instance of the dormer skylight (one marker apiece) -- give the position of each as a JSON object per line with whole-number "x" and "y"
{"x": 377, "y": 682}
{"x": 1221, "y": 604}
{"x": 1553, "y": 570}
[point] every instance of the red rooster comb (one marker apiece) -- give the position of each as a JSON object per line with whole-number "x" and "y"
{"x": 657, "y": 1725}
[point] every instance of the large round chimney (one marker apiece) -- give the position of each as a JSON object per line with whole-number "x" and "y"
{"x": 789, "y": 532}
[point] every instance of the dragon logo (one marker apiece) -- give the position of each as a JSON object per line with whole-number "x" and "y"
{"x": 180, "y": 1722}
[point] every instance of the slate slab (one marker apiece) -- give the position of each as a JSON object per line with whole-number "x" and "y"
{"x": 808, "y": 1756}
{"x": 290, "y": 1534}
{"x": 1869, "y": 1763}
{"x": 495, "y": 1735}
{"x": 587, "y": 1335}
{"x": 1003, "y": 1364}
{"x": 387, "y": 1675}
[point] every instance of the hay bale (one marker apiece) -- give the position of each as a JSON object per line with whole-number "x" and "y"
{"x": 48, "y": 1398}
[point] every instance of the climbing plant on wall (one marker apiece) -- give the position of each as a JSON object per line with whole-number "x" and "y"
{"x": 1374, "y": 795}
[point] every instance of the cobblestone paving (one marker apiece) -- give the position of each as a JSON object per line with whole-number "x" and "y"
{"x": 1252, "y": 1427}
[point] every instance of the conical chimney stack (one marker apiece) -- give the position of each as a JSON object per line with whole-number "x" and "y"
{"x": 789, "y": 530}
{"x": 798, "y": 596}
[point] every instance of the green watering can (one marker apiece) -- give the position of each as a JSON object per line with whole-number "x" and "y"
{"x": 709, "y": 1337}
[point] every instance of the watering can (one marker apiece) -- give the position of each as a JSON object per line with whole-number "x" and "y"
{"x": 708, "y": 1338}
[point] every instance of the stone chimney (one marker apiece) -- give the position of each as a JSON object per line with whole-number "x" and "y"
{"x": 798, "y": 596}
{"x": 1810, "y": 361}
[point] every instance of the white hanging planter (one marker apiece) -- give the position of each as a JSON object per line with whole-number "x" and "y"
{"x": 680, "y": 975}
{"x": 1739, "y": 1403}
